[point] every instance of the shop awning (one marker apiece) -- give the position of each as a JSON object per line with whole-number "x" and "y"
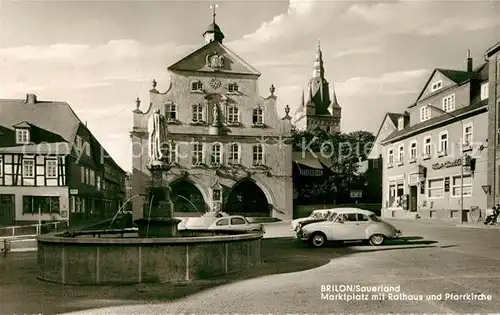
{"x": 307, "y": 159}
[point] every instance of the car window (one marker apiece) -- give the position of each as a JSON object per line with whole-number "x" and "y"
{"x": 236, "y": 221}
{"x": 332, "y": 216}
{"x": 351, "y": 217}
{"x": 362, "y": 217}
{"x": 325, "y": 215}
{"x": 373, "y": 217}
{"x": 223, "y": 222}
{"x": 340, "y": 218}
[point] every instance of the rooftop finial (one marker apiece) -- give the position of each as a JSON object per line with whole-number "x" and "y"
{"x": 272, "y": 89}
{"x": 287, "y": 109}
{"x": 213, "y": 7}
{"x": 137, "y": 103}
{"x": 468, "y": 53}
{"x": 319, "y": 43}
{"x": 154, "y": 84}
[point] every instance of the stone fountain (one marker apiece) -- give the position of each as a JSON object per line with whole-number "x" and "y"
{"x": 158, "y": 215}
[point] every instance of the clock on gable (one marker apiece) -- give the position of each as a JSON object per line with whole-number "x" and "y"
{"x": 215, "y": 83}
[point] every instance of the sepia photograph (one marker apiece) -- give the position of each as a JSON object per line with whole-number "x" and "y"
{"x": 237, "y": 157}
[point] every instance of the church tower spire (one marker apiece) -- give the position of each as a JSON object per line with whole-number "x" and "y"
{"x": 213, "y": 32}
{"x": 318, "y": 68}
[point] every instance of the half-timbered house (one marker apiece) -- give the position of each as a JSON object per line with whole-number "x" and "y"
{"x": 52, "y": 167}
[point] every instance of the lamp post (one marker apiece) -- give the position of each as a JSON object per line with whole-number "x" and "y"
{"x": 462, "y": 158}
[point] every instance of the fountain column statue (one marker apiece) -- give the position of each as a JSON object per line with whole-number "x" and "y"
{"x": 158, "y": 216}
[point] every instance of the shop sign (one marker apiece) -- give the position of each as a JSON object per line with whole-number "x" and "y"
{"x": 311, "y": 172}
{"x": 447, "y": 164}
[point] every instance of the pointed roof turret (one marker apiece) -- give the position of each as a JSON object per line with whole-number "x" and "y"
{"x": 213, "y": 32}
{"x": 318, "y": 68}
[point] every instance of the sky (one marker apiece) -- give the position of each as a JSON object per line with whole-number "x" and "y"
{"x": 99, "y": 56}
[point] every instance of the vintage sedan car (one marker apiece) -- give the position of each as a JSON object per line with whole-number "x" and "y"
{"x": 348, "y": 224}
{"x": 236, "y": 223}
{"x": 315, "y": 216}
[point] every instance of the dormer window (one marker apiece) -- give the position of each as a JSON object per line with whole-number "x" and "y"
{"x": 232, "y": 87}
{"x": 22, "y": 136}
{"x": 196, "y": 86}
{"x": 425, "y": 113}
{"x": 449, "y": 103}
{"x": 484, "y": 91}
{"x": 22, "y": 132}
{"x": 401, "y": 123}
{"x": 436, "y": 86}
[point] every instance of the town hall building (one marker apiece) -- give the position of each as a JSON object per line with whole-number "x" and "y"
{"x": 227, "y": 148}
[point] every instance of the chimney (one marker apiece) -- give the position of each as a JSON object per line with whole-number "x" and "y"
{"x": 469, "y": 61}
{"x": 30, "y": 99}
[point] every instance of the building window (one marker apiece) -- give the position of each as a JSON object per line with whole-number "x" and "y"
{"x": 233, "y": 115}
{"x": 28, "y": 168}
{"x": 51, "y": 168}
{"x": 87, "y": 176}
{"x": 467, "y": 134}
{"x": 498, "y": 68}
{"x": 92, "y": 178}
{"x": 436, "y": 188}
{"x": 197, "y": 154}
{"x": 401, "y": 123}
{"x": 449, "y": 103}
{"x": 196, "y": 86}
{"x": 82, "y": 174}
{"x": 436, "y": 86}
{"x": 427, "y": 146}
{"x": 413, "y": 151}
{"x": 258, "y": 154}
{"x": 390, "y": 157}
{"x": 98, "y": 182}
{"x": 234, "y": 154}
{"x": 232, "y": 87}
{"x": 484, "y": 91}
{"x": 443, "y": 142}
{"x": 79, "y": 143}
{"x": 43, "y": 204}
{"x": 401, "y": 154}
{"x": 425, "y": 113}
{"x": 172, "y": 153}
{"x": 87, "y": 148}
{"x": 258, "y": 116}
{"x": 22, "y": 136}
{"x": 457, "y": 186}
{"x": 216, "y": 156}
{"x": 1, "y": 167}
{"x": 171, "y": 112}
{"x": 197, "y": 113}
{"x": 396, "y": 194}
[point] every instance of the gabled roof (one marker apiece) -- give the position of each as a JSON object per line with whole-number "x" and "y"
{"x": 196, "y": 61}
{"x": 493, "y": 49}
{"x": 22, "y": 124}
{"x": 55, "y": 117}
{"x": 433, "y": 121}
{"x": 394, "y": 119}
{"x": 456, "y": 76}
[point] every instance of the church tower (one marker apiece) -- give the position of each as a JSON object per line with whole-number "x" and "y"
{"x": 319, "y": 111}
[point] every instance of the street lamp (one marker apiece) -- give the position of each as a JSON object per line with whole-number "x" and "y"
{"x": 462, "y": 157}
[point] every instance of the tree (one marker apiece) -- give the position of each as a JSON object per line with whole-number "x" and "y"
{"x": 345, "y": 151}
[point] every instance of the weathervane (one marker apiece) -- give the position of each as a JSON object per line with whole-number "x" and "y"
{"x": 213, "y": 7}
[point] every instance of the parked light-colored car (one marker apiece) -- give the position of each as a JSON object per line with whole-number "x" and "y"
{"x": 236, "y": 223}
{"x": 348, "y": 224}
{"x": 315, "y": 216}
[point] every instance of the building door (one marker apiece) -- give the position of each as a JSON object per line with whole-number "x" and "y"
{"x": 7, "y": 210}
{"x": 413, "y": 198}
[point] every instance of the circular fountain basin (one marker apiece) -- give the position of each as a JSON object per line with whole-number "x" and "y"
{"x": 113, "y": 260}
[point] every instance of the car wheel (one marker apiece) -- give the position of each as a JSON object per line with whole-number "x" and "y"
{"x": 377, "y": 239}
{"x": 317, "y": 240}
